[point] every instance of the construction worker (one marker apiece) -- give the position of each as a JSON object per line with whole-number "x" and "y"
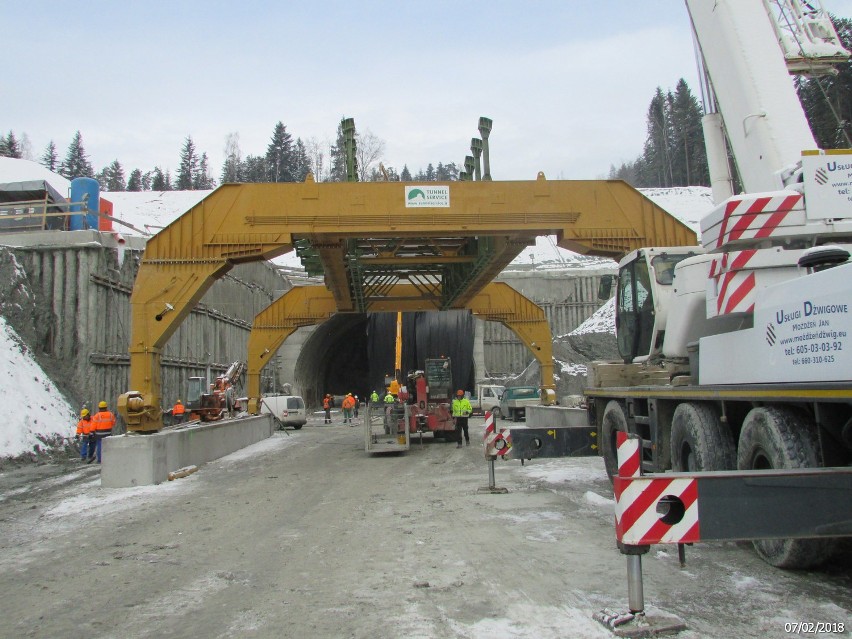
{"x": 327, "y": 403}
{"x": 348, "y": 407}
{"x": 102, "y": 424}
{"x": 393, "y": 389}
{"x": 178, "y": 412}
{"x": 390, "y": 400}
{"x": 461, "y": 411}
{"x": 84, "y": 432}
{"x": 357, "y": 405}
{"x": 374, "y": 398}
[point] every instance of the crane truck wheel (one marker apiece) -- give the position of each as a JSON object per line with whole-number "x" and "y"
{"x": 613, "y": 421}
{"x": 700, "y": 441}
{"x": 775, "y": 437}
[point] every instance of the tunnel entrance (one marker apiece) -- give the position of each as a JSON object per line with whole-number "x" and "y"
{"x": 353, "y": 352}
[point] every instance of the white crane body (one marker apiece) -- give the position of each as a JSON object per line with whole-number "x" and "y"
{"x": 737, "y": 354}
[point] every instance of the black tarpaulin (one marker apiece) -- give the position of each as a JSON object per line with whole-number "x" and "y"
{"x": 424, "y": 335}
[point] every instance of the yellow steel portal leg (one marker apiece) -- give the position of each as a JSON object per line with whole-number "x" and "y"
{"x": 301, "y": 306}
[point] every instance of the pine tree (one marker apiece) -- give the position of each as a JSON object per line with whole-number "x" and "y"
{"x": 338, "y": 157}
{"x": 430, "y": 173}
{"x": 231, "y": 168}
{"x": 114, "y": 176}
{"x": 50, "y": 158}
{"x": 10, "y": 147}
{"x": 146, "y": 180}
{"x": 160, "y": 181}
{"x": 688, "y": 156}
{"x": 628, "y": 171}
{"x": 134, "y": 182}
{"x": 254, "y": 169}
{"x": 405, "y": 176}
{"x": 301, "y": 161}
{"x": 656, "y": 157}
{"x": 76, "y": 162}
{"x": 188, "y": 166}
{"x": 279, "y": 155}
{"x": 102, "y": 178}
{"x": 202, "y": 180}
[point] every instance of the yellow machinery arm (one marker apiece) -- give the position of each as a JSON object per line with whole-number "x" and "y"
{"x": 352, "y": 230}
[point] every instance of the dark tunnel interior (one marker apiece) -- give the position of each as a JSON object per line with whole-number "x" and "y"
{"x": 353, "y": 352}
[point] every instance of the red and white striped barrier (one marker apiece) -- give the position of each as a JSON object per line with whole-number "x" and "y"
{"x": 638, "y": 521}
{"x": 497, "y": 441}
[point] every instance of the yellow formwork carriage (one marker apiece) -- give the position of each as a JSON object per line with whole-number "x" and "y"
{"x": 309, "y": 305}
{"x": 250, "y": 222}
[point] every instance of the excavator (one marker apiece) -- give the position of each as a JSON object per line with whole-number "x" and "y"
{"x": 213, "y": 403}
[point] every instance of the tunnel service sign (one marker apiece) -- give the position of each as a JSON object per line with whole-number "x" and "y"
{"x": 427, "y": 197}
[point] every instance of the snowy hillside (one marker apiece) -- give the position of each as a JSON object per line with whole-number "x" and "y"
{"x": 37, "y": 412}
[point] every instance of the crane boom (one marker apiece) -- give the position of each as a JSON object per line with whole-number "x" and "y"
{"x": 765, "y": 124}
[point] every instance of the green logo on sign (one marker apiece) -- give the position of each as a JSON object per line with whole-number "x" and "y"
{"x": 415, "y": 194}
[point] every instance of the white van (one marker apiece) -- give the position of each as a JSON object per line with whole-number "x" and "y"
{"x": 289, "y": 409}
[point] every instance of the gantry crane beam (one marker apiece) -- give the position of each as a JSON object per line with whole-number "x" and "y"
{"x": 309, "y": 305}
{"x": 332, "y": 226}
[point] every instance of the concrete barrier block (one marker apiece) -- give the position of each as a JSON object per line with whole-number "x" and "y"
{"x": 141, "y": 460}
{"x": 556, "y": 417}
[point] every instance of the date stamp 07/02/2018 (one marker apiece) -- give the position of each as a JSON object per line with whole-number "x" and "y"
{"x": 814, "y": 627}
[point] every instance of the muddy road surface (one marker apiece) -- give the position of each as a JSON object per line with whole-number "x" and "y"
{"x": 305, "y": 536}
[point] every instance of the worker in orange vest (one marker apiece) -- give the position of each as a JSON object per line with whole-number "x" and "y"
{"x": 84, "y": 432}
{"x": 348, "y": 407}
{"x": 102, "y": 424}
{"x": 178, "y": 412}
{"x": 327, "y": 403}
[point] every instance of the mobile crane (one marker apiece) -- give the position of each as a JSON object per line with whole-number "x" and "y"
{"x": 737, "y": 353}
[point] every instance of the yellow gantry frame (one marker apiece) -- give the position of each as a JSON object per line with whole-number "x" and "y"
{"x": 251, "y": 222}
{"x": 308, "y": 305}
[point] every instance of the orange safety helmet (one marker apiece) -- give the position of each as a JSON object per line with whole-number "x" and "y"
{"x": 460, "y": 392}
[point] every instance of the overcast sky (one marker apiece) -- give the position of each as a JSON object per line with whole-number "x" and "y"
{"x": 567, "y": 83}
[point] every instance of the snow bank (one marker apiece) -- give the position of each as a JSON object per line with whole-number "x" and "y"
{"x": 601, "y": 321}
{"x": 36, "y": 409}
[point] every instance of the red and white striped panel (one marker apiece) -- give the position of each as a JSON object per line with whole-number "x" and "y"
{"x": 735, "y": 282}
{"x": 637, "y": 522}
{"x": 627, "y": 450}
{"x": 750, "y": 218}
{"x": 497, "y": 441}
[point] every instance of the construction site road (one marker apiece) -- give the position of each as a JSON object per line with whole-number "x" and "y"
{"x": 304, "y": 535}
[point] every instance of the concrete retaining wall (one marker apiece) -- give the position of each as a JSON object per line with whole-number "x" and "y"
{"x": 142, "y": 460}
{"x": 556, "y": 417}
{"x": 80, "y": 326}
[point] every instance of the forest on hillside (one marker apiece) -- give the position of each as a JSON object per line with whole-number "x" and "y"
{"x": 673, "y": 152}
